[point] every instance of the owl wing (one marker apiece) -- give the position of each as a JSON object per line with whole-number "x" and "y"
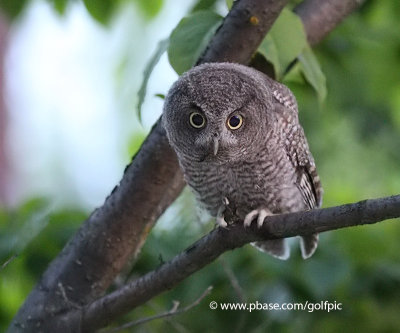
{"x": 296, "y": 146}
{"x": 309, "y": 184}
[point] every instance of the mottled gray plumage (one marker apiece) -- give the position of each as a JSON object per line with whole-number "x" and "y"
{"x": 261, "y": 168}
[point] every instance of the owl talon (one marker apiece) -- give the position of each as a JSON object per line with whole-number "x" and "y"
{"x": 221, "y": 221}
{"x": 220, "y": 215}
{"x": 249, "y": 217}
{"x": 225, "y": 201}
{"x": 261, "y": 213}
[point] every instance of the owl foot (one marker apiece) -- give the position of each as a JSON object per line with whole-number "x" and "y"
{"x": 220, "y": 215}
{"x": 261, "y": 214}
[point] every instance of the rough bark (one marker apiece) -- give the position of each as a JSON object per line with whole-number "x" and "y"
{"x": 244, "y": 28}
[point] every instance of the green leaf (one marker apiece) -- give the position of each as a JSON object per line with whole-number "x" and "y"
{"x": 203, "y": 4}
{"x": 285, "y": 41}
{"x": 161, "y": 48}
{"x": 229, "y": 3}
{"x": 101, "y": 10}
{"x": 150, "y": 8}
{"x": 295, "y": 75}
{"x": 162, "y": 96}
{"x": 60, "y": 6}
{"x": 13, "y": 7}
{"x": 313, "y": 73}
{"x": 23, "y": 225}
{"x": 270, "y": 52}
{"x": 189, "y": 39}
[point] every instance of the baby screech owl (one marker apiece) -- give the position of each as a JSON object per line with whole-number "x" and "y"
{"x": 239, "y": 142}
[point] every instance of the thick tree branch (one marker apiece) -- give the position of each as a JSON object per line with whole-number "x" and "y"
{"x": 321, "y": 16}
{"x": 247, "y": 23}
{"x": 118, "y": 229}
{"x": 220, "y": 240}
{"x": 92, "y": 259}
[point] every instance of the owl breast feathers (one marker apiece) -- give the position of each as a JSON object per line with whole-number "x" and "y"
{"x": 238, "y": 139}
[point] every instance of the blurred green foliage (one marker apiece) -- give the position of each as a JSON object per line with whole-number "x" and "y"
{"x": 60, "y": 6}
{"x": 13, "y": 8}
{"x": 354, "y": 136}
{"x": 101, "y": 10}
{"x": 30, "y": 237}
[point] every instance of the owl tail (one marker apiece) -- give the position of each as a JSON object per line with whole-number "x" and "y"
{"x": 277, "y": 248}
{"x": 308, "y": 245}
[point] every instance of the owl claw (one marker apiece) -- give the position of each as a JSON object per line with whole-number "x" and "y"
{"x": 220, "y": 215}
{"x": 221, "y": 221}
{"x": 261, "y": 217}
{"x": 249, "y": 217}
{"x": 261, "y": 213}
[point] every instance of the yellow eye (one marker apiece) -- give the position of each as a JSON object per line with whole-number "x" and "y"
{"x": 234, "y": 122}
{"x": 197, "y": 120}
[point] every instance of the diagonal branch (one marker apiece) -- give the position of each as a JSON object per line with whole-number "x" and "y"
{"x": 321, "y": 16}
{"x": 247, "y": 23}
{"x": 220, "y": 240}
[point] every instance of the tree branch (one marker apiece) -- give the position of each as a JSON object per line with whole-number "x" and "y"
{"x": 321, "y": 16}
{"x": 220, "y": 240}
{"x": 245, "y": 27}
{"x": 117, "y": 230}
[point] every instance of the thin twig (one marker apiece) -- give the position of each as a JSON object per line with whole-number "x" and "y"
{"x": 238, "y": 290}
{"x": 66, "y": 299}
{"x": 4, "y": 265}
{"x": 173, "y": 312}
{"x": 233, "y": 280}
{"x": 176, "y": 326}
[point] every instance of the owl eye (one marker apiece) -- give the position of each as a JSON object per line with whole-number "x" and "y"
{"x": 197, "y": 120}
{"x": 234, "y": 122}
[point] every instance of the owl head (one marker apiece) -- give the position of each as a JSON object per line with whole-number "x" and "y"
{"x": 218, "y": 112}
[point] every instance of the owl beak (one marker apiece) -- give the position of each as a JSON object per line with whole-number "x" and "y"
{"x": 216, "y": 145}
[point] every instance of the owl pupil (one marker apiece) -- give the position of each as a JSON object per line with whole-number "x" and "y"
{"x": 198, "y": 120}
{"x": 234, "y": 121}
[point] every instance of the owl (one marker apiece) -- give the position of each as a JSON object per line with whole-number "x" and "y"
{"x": 239, "y": 142}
